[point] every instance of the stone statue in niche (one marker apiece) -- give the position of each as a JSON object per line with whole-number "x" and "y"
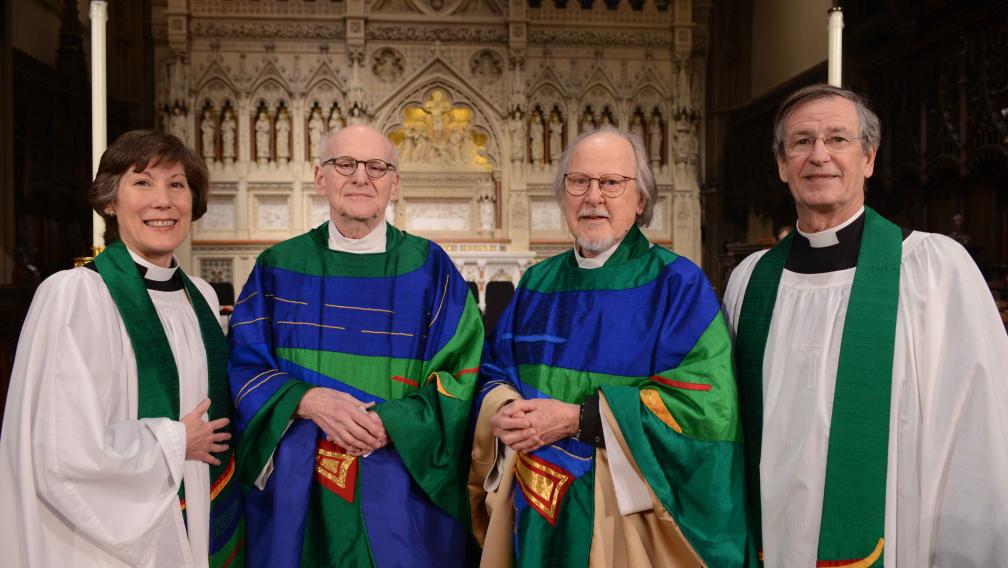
{"x": 637, "y": 126}
{"x": 263, "y": 131}
{"x": 208, "y": 127}
{"x": 536, "y": 138}
{"x": 335, "y": 119}
{"x": 315, "y": 128}
{"x": 555, "y": 137}
{"x": 283, "y": 127}
{"x": 517, "y": 129}
{"x": 487, "y": 213}
{"x": 177, "y": 123}
{"x": 605, "y": 120}
{"x": 227, "y": 131}
{"x": 587, "y": 121}
{"x": 655, "y": 139}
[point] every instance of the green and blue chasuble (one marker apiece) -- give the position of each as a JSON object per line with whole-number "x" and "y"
{"x": 158, "y": 387}
{"x": 646, "y": 330}
{"x": 399, "y": 328}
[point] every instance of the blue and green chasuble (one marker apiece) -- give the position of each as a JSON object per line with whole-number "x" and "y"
{"x": 399, "y": 328}
{"x": 646, "y": 330}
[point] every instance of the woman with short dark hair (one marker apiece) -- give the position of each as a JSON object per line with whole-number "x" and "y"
{"x": 114, "y": 443}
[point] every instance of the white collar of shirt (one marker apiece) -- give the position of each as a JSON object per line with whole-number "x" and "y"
{"x": 595, "y": 261}
{"x": 155, "y": 272}
{"x": 369, "y": 243}
{"x": 828, "y": 237}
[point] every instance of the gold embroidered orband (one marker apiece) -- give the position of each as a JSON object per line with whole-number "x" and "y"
{"x": 543, "y": 484}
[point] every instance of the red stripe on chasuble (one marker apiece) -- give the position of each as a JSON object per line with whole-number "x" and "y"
{"x": 409, "y": 382}
{"x": 467, "y": 371}
{"x": 680, "y": 384}
{"x": 336, "y": 470}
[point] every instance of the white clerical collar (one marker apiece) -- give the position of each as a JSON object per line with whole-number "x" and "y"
{"x": 155, "y": 272}
{"x": 828, "y": 237}
{"x": 369, "y": 243}
{"x": 595, "y": 261}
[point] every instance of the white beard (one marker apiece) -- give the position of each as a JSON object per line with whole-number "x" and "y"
{"x": 594, "y": 247}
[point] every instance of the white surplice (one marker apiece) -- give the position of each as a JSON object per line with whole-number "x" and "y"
{"x": 83, "y": 482}
{"x": 947, "y": 478}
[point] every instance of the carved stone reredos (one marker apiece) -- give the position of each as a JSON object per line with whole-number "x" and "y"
{"x": 453, "y": 82}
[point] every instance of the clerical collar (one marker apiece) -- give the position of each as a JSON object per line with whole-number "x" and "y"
{"x": 370, "y": 243}
{"x": 156, "y": 277}
{"x": 595, "y": 261}
{"x": 827, "y": 251}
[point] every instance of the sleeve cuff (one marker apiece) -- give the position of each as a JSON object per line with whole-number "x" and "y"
{"x": 590, "y": 425}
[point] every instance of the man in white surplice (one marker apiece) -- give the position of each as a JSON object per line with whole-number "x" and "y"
{"x": 945, "y": 464}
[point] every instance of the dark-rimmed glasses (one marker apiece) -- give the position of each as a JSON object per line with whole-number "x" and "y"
{"x": 345, "y": 165}
{"x": 611, "y": 185}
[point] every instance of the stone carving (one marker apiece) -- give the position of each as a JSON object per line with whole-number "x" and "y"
{"x": 427, "y": 33}
{"x": 315, "y": 128}
{"x": 227, "y": 132}
{"x": 293, "y": 30}
{"x": 209, "y": 138}
{"x": 555, "y": 137}
{"x": 439, "y": 133}
{"x": 283, "y": 127}
{"x": 587, "y": 120}
{"x": 273, "y": 213}
{"x": 263, "y": 131}
{"x": 637, "y": 125}
{"x": 517, "y": 129}
{"x": 536, "y": 138}
{"x": 177, "y": 123}
{"x": 438, "y": 216}
{"x": 335, "y": 119}
{"x": 635, "y": 38}
{"x": 486, "y": 66}
{"x": 387, "y": 65}
{"x": 487, "y": 202}
{"x": 655, "y": 139}
{"x": 546, "y": 215}
{"x": 219, "y": 216}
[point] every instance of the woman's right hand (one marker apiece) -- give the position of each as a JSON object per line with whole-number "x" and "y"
{"x": 202, "y": 437}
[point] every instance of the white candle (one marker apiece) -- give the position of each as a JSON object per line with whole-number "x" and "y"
{"x": 99, "y": 136}
{"x": 835, "y": 28}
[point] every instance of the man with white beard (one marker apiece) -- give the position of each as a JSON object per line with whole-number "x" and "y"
{"x": 608, "y": 430}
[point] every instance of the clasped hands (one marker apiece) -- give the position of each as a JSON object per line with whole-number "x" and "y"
{"x": 527, "y": 425}
{"x": 344, "y": 419}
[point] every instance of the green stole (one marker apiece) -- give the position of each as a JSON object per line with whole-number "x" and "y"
{"x": 853, "y": 515}
{"x": 158, "y": 380}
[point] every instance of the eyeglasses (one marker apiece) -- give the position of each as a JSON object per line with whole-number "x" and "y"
{"x": 834, "y": 144}
{"x": 345, "y": 165}
{"x": 611, "y": 185}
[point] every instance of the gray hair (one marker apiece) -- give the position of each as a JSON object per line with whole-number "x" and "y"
{"x": 645, "y": 176}
{"x": 868, "y": 122}
{"x": 323, "y": 141}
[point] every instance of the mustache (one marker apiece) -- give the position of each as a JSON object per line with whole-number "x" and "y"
{"x": 588, "y": 211}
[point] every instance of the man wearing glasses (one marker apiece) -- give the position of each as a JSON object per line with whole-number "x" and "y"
{"x": 355, "y": 349}
{"x": 608, "y": 431}
{"x": 873, "y": 370}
